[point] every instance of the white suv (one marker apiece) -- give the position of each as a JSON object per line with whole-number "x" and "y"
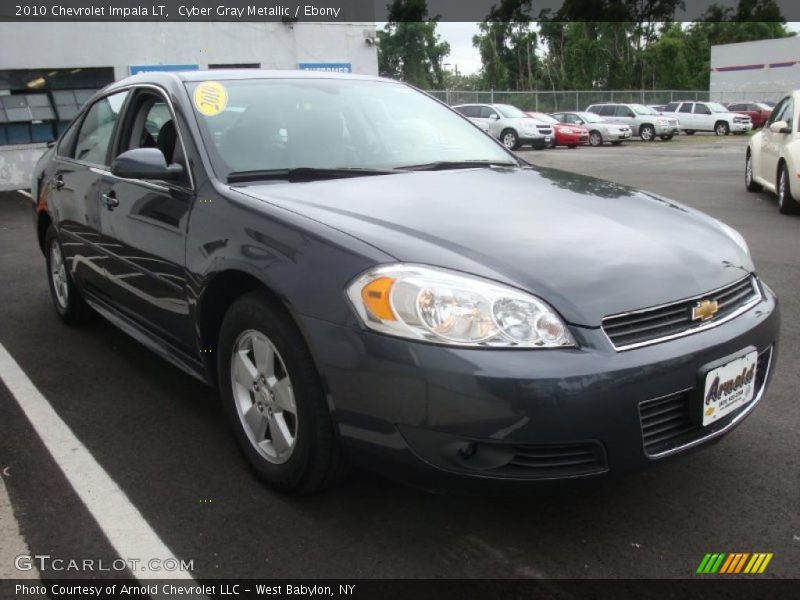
{"x": 773, "y": 155}
{"x": 509, "y": 125}
{"x": 707, "y": 116}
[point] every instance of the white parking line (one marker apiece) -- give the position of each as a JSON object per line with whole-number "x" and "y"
{"x": 121, "y": 522}
{"x": 25, "y": 193}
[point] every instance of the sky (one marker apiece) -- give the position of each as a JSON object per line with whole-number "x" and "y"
{"x": 463, "y": 54}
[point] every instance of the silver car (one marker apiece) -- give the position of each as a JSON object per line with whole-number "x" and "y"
{"x": 643, "y": 120}
{"x": 509, "y": 125}
{"x": 600, "y": 130}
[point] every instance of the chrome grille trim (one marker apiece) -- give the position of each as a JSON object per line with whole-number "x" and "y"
{"x": 680, "y": 305}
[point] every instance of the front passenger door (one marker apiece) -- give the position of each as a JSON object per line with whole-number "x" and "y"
{"x": 772, "y": 142}
{"x": 144, "y": 222}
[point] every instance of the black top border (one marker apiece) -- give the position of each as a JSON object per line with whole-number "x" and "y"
{"x": 343, "y": 11}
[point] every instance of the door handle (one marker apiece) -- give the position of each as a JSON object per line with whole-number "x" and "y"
{"x": 110, "y": 200}
{"x": 58, "y": 182}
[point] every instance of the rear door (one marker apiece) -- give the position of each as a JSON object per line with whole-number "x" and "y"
{"x": 685, "y": 116}
{"x": 703, "y": 117}
{"x": 145, "y": 223}
{"x": 624, "y": 115}
{"x": 81, "y": 159}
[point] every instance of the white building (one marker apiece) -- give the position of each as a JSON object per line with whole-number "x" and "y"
{"x": 48, "y": 70}
{"x": 762, "y": 70}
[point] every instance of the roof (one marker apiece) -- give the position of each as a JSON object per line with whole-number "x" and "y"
{"x": 235, "y": 74}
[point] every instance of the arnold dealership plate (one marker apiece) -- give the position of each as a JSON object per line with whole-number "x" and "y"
{"x": 728, "y": 387}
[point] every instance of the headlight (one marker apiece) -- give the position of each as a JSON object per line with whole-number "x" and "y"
{"x": 445, "y": 307}
{"x": 663, "y": 122}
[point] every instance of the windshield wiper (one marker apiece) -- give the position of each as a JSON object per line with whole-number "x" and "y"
{"x": 298, "y": 174}
{"x": 442, "y": 165}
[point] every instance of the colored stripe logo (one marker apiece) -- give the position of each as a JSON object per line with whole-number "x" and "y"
{"x": 735, "y": 562}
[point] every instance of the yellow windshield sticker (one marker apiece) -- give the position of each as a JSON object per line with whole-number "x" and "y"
{"x": 210, "y": 98}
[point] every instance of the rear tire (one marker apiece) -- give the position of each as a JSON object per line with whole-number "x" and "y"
{"x": 265, "y": 372}
{"x": 787, "y": 205}
{"x": 67, "y": 299}
{"x": 749, "y": 182}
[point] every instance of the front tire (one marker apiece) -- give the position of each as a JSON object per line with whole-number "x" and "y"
{"x": 647, "y": 133}
{"x": 666, "y": 138}
{"x": 595, "y": 139}
{"x": 689, "y": 131}
{"x": 510, "y": 139}
{"x": 749, "y": 182}
{"x": 274, "y": 398}
{"x": 67, "y": 300}
{"x": 722, "y": 128}
{"x": 787, "y": 205}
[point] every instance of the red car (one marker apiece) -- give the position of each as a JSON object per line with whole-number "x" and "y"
{"x": 758, "y": 111}
{"x": 571, "y": 136}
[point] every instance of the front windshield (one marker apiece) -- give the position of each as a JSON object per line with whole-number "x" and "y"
{"x": 590, "y": 117}
{"x": 544, "y": 118}
{"x": 274, "y": 124}
{"x": 716, "y": 108}
{"x": 510, "y": 112}
{"x": 641, "y": 109}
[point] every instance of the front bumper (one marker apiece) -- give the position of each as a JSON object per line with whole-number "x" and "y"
{"x": 536, "y": 141}
{"x": 740, "y": 127}
{"x": 668, "y": 129}
{"x": 444, "y": 417}
{"x": 618, "y": 135}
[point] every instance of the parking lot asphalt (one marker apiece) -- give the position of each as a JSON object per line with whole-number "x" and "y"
{"x": 160, "y": 435}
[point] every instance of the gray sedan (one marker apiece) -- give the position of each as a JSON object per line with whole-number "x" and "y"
{"x": 600, "y": 130}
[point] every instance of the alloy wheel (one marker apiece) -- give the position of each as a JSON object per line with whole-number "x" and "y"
{"x": 58, "y": 272}
{"x": 509, "y": 140}
{"x": 262, "y": 392}
{"x": 595, "y": 139}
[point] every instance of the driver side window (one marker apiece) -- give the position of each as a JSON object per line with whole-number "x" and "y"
{"x": 486, "y": 112}
{"x": 777, "y": 111}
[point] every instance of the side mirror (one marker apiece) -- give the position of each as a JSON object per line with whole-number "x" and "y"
{"x": 145, "y": 163}
{"x": 494, "y": 116}
{"x": 780, "y": 127}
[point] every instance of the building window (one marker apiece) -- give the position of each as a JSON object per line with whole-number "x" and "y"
{"x": 36, "y": 105}
{"x": 235, "y": 66}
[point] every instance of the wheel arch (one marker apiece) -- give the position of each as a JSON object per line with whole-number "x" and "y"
{"x": 222, "y": 289}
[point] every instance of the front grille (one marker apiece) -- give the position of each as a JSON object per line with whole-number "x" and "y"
{"x": 651, "y": 325}
{"x": 667, "y": 422}
{"x": 741, "y": 119}
{"x": 545, "y": 130}
{"x": 556, "y": 460}
{"x": 673, "y": 122}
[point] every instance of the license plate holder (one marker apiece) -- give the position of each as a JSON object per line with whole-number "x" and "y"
{"x": 727, "y": 385}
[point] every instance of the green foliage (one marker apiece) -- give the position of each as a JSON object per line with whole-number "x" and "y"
{"x": 614, "y": 44}
{"x": 409, "y": 47}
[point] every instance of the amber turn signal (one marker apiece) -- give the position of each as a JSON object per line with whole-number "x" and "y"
{"x": 376, "y": 298}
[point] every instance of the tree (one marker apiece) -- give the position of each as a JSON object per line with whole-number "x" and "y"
{"x": 508, "y": 47}
{"x": 409, "y": 47}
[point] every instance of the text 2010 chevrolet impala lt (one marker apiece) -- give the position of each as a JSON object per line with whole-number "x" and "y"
{"x": 366, "y": 275}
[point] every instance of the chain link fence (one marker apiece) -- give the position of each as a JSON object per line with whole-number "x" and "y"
{"x": 552, "y": 101}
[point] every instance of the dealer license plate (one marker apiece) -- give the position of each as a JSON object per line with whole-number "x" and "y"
{"x": 728, "y": 387}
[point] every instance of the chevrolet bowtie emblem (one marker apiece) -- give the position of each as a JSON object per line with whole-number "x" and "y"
{"x": 704, "y": 310}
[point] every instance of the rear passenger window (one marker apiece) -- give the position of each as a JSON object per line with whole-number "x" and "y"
{"x": 686, "y": 107}
{"x": 96, "y": 129}
{"x": 606, "y": 111}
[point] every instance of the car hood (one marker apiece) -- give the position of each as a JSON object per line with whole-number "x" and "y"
{"x": 588, "y": 247}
